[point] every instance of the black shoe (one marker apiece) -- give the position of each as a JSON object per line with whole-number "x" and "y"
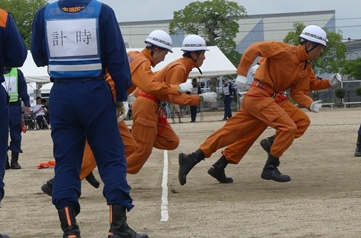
{"x": 186, "y": 163}
{"x": 135, "y": 234}
{"x": 47, "y": 187}
{"x": 4, "y": 236}
{"x": 92, "y": 180}
{"x": 219, "y": 174}
{"x": 358, "y": 151}
{"x": 275, "y": 175}
{"x": 266, "y": 145}
{"x": 15, "y": 165}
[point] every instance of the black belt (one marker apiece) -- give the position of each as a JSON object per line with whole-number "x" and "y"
{"x": 66, "y": 80}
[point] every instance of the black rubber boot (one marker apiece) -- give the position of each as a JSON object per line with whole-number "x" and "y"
{"x": 267, "y": 143}
{"x": 358, "y": 147}
{"x": 186, "y": 163}
{"x": 118, "y": 224}
{"x": 14, "y": 160}
{"x": 47, "y": 187}
{"x": 68, "y": 223}
{"x": 92, "y": 180}
{"x": 4, "y": 236}
{"x": 217, "y": 171}
{"x": 271, "y": 172}
{"x": 7, "y": 166}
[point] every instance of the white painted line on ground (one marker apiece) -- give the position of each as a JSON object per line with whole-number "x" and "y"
{"x": 164, "y": 206}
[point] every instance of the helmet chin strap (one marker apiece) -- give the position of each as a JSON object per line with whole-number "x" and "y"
{"x": 315, "y": 45}
{"x": 195, "y": 60}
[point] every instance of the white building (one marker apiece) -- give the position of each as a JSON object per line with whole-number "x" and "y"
{"x": 266, "y": 27}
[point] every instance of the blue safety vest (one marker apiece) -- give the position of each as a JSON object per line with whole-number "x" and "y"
{"x": 73, "y": 41}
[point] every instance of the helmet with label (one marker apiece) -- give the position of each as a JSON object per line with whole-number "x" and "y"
{"x": 314, "y": 34}
{"x": 194, "y": 43}
{"x": 161, "y": 39}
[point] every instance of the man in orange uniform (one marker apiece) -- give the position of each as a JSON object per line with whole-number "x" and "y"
{"x": 233, "y": 155}
{"x": 159, "y": 43}
{"x": 285, "y": 67}
{"x": 150, "y": 126}
{"x": 236, "y": 151}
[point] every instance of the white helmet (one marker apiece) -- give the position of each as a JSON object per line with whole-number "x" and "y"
{"x": 314, "y": 34}
{"x": 161, "y": 39}
{"x": 194, "y": 43}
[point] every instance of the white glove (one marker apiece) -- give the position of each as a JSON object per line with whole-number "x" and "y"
{"x": 241, "y": 82}
{"x": 122, "y": 110}
{"x": 131, "y": 98}
{"x": 208, "y": 97}
{"x": 335, "y": 79}
{"x": 254, "y": 69}
{"x": 316, "y": 106}
{"x": 185, "y": 87}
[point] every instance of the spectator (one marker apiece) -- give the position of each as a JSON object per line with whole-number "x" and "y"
{"x": 229, "y": 93}
{"x": 40, "y": 112}
{"x": 16, "y": 87}
{"x": 47, "y": 118}
{"x": 195, "y": 90}
{"x": 175, "y": 109}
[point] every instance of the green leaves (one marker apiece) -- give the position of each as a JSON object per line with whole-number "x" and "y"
{"x": 23, "y": 12}
{"x": 216, "y": 21}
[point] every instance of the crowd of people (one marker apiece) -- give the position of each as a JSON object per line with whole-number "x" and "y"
{"x": 101, "y": 75}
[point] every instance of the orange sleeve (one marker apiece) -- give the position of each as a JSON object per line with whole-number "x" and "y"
{"x": 316, "y": 84}
{"x": 181, "y": 99}
{"x": 143, "y": 78}
{"x": 3, "y": 18}
{"x": 264, "y": 49}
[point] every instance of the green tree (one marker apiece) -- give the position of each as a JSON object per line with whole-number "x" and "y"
{"x": 215, "y": 20}
{"x": 334, "y": 55}
{"x": 353, "y": 68}
{"x": 358, "y": 91}
{"x": 340, "y": 93}
{"x": 23, "y": 12}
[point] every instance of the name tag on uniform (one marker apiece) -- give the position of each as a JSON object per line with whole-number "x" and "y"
{"x": 73, "y": 37}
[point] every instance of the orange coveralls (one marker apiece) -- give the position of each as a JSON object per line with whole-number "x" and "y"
{"x": 142, "y": 77}
{"x": 286, "y": 67}
{"x": 150, "y": 129}
{"x": 236, "y": 151}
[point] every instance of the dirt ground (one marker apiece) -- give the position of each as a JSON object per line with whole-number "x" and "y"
{"x": 322, "y": 200}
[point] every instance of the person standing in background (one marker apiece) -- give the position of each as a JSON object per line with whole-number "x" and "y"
{"x": 175, "y": 109}
{"x": 228, "y": 94}
{"x": 13, "y": 53}
{"x": 358, "y": 143}
{"x": 79, "y": 41}
{"x": 195, "y": 90}
{"x": 17, "y": 89}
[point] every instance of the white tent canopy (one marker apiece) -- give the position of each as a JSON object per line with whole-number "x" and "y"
{"x": 215, "y": 64}
{"x": 33, "y": 73}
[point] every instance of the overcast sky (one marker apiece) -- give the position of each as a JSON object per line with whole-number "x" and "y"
{"x": 348, "y": 14}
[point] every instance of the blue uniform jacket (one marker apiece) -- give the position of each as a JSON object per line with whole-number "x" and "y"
{"x": 113, "y": 54}
{"x": 12, "y": 47}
